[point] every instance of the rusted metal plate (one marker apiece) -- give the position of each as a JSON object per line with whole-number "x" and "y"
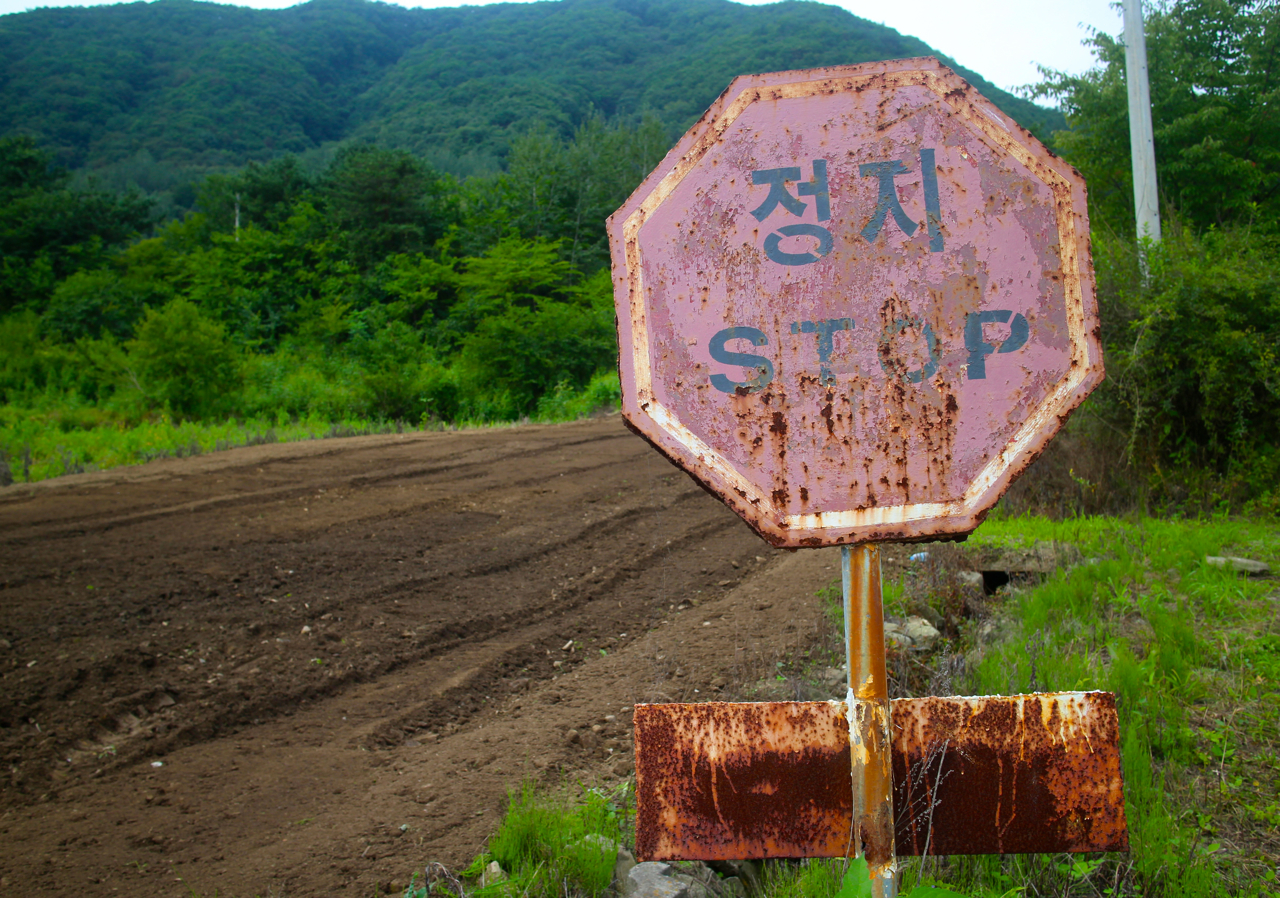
{"x": 716, "y": 780}
{"x": 988, "y": 775}
{"x": 1021, "y": 774}
{"x": 855, "y": 302}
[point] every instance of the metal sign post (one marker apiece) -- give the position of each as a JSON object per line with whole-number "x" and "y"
{"x": 855, "y": 303}
{"x": 869, "y": 713}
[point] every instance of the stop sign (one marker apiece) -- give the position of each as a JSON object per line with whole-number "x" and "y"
{"x": 855, "y": 302}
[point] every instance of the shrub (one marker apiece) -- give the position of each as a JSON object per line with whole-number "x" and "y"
{"x": 526, "y": 353}
{"x": 183, "y": 361}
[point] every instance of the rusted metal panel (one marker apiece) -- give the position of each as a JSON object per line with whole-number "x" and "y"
{"x": 716, "y": 780}
{"x": 988, "y": 775}
{"x": 855, "y": 302}
{"x": 1036, "y": 773}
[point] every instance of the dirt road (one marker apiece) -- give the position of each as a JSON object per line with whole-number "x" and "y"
{"x": 309, "y": 669}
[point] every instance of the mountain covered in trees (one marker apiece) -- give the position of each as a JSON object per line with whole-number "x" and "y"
{"x": 157, "y": 94}
{"x": 397, "y": 215}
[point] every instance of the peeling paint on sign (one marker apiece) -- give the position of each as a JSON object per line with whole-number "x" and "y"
{"x": 855, "y": 302}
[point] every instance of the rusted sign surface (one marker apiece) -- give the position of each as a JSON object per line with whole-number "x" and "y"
{"x": 855, "y": 302}
{"x": 1022, "y": 774}
{"x": 990, "y": 775}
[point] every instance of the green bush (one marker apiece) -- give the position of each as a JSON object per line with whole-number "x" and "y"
{"x": 564, "y": 403}
{"x": 183, "y": 361}
{"x": 302, "y": 384}
{"x": 30, "y": 365}
{"x": 1193, "y": 362}
{"x": 392, "y": 362}
{"x": 526, "y": 354}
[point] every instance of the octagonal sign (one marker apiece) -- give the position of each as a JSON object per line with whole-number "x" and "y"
{"x": 855, "y": 302}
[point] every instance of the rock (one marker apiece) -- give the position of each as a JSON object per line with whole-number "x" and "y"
{"x": 652, "y": 879}
{"x": 622, "y": 867}
{"x": 1239, "y": 565}
{"x": 573, "y": 737}
{"x": 1040, "y": 558}
{"x": 622, "y": 767}
{"x": 697, "y": 888}
{"x": 921, "y": 633}
{"x": 970, "y": 578}
{"x": 895, "y": 635}
{"x": 162, "y": 700}
{"x": 922, "y": 609}
{"x": 742, "y": 873}
{"x": 833, "y": 676}
{"x": 305, "y": 630}
{"x": 604, "y": 843}
{"x": 492, "y": 874}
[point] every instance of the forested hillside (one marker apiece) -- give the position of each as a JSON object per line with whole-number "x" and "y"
{"x": 351, "y": 214}
{"x": 160, "y": 93}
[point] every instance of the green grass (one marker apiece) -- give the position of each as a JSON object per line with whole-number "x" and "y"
{"x": 551, "y": 846}
{"x": 69, "y": 437}
{"x": 1190, "y": 650}
{"x": 36, "y": 446}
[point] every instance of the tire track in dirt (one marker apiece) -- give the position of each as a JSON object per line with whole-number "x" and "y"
{"x": 573, "y": 559}
{"x": 339, "y": 609}
{"x": 459, "y": 472}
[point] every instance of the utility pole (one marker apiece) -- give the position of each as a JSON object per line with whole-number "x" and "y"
{"x": 1146, "y": 202}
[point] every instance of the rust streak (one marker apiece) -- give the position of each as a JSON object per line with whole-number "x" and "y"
{"x": 719, "y": 781}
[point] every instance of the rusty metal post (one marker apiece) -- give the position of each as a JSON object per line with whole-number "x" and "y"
{"x": 870, "y": 739}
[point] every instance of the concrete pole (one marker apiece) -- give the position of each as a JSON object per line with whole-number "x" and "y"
{"x": 1142, "y": 146}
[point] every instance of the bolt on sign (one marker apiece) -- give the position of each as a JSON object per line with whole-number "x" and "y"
{"x": 855, "y": 303}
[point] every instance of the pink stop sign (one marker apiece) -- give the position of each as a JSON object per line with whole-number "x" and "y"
{"x": 855, "y": 302}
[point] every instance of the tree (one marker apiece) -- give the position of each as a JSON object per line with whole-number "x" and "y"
{"x": 386, "y": 201}
{"x": 565, "y": 190}
{"x": 49, "y": 230}
{"x": 260, "y": 195}
{"x": 1215, "y": 89}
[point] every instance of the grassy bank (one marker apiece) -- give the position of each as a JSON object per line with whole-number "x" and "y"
{"x": 1192, "y": 652}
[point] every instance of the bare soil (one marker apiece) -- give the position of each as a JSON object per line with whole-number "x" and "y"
{"x": 309, "y": 669}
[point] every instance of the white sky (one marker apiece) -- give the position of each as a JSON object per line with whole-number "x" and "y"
{"x": 1002, "y": 40}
